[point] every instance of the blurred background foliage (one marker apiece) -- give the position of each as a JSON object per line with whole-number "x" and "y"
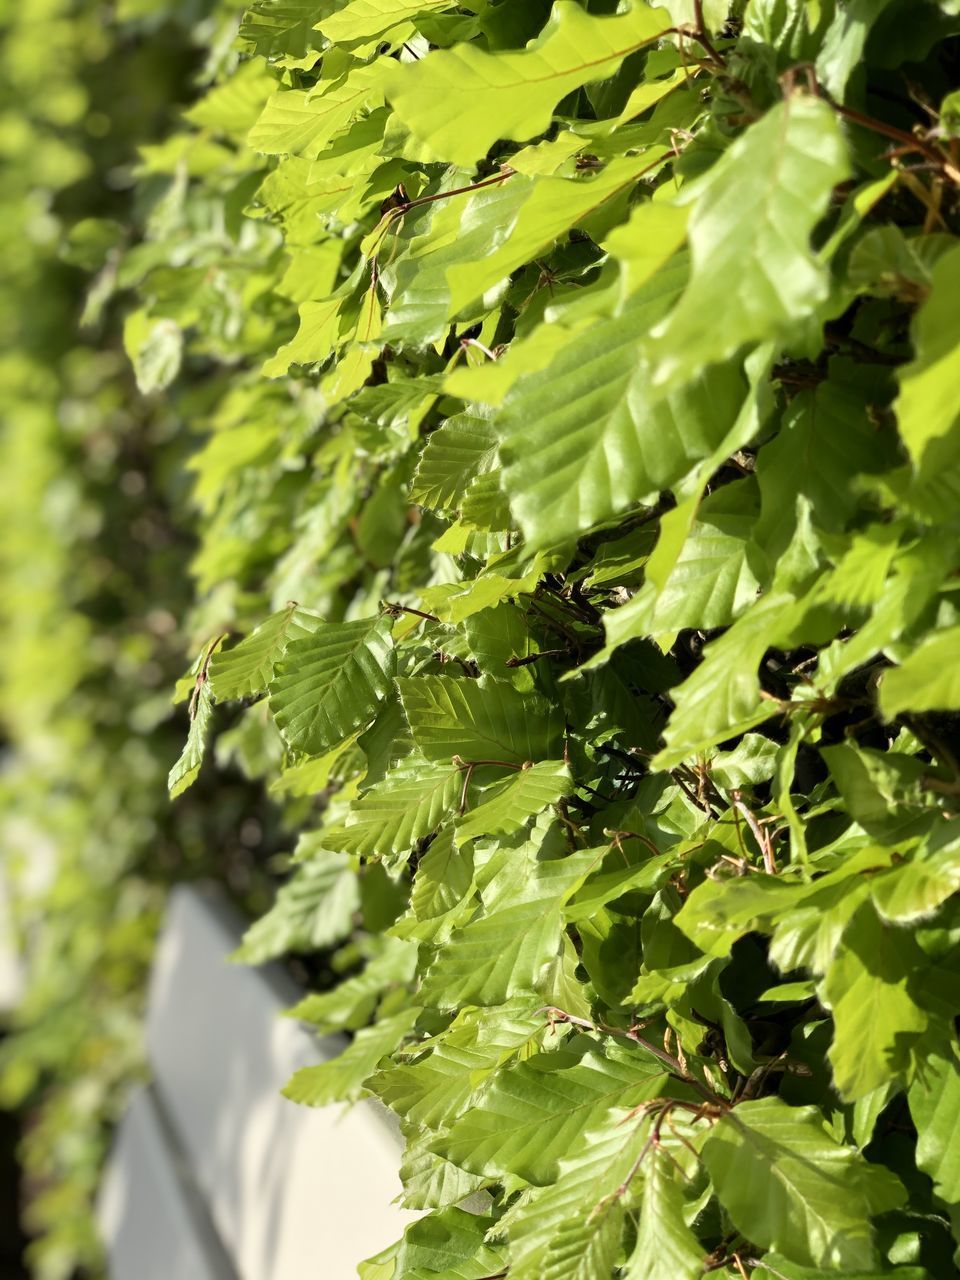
{"x": 93, "y": 585}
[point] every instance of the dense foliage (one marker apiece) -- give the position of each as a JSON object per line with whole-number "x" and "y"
{"x": 578, "y": 549}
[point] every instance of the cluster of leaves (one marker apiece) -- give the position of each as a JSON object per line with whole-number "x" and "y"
{"x": 581, "y": 468}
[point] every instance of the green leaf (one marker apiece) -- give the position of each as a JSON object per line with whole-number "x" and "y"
{"x": 313, "y": 910}
{"x": 508, "y": 805}
{"x": 489, "y": 722}
{"x": 362, "y": 20}
{"x": 534, "y": 1113}
{"x": 197, "y": 684}
{"x": 316, "y": 339}
{"x": 447, "y": 1246}
{"x": 860, "y": 576}
{"x": 722, "y": 697}
{"x": 471, "y": 247}
{"x": 781, "y": 1268}
{"x": 844, "y": 41}
{"x": 917, "y": 887}
{"x": 311, "y": 774}
{"x": 719, "y": 911}
{"x": 184, "y": 773}
{"x": 653, "y": 233}
{"x": 282, "y": 27}
{"x": 684, "y": 12}
{"x": 885, "y": 261}
{"x": 927, "y": 680}
{"x": 410, "y": 803}
{"x": 498, "y": 635}
{"x": 463, "y": 448}
{"x": 302, "y": 122}
{"x": 330, "y": 683}
{"x": 750, "y": 763}
{"x": 917, "y": 575}
{"x": 155, "y": 347}
{"x": 666, "y": 1248}
{"x": 351, "y": 1003}
{"x": 749, "y": 236}
{"x": 572, "y": 1231}
{"x": 233, "y": 106}
{"x": 781, "y": 1176}
{"x": 875, "y": 1017}
{"x": 442, "y": 889}
{"x": 808, "y": 936}
{"x": 489, "y": 383}
{"x": 606, "y": 886}
{"x": 435, "y": 1090}
{"x": 460, "y": 101}
{"x": 934, "y": 1098}
{"x": 248, "y": 667}
{"x": 509, "y": 948}
{"x": 882, "y": 790}
{"x": 927, "y": 407}
{"x": 391, "y": 413}
{"x": 450, "y": 232}
{"x": 710, "y": 584}
{"x": 341, "y": 1079}
{"x": 554, "y": 205}
{"x": 825, "y": 439}
{"x": 430, "y": 1182}
{"x": 587, "y": 438}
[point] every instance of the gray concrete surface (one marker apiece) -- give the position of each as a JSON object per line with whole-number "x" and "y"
{"x": 294, "y": 1193}
{"x": 151, "y": 1219}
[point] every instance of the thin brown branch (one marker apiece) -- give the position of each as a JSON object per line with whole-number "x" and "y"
{"x": 762, "y": 837}
{"x": 396, "y": 609}
{"x": 673, "y": 1065}
{"x": 703, "y": 40}
{"x": 535, "y": 657}
{"x": 701, "y": 803}
{"x": 616, "y": 836}
{"x": 909, "y": 141}
{"x": 405, "y": 206}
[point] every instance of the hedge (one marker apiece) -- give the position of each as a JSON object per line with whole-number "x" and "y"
{"x": 568, "y": 400}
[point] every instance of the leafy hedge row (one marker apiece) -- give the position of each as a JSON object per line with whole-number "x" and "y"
{"x": 612, "y": 464}
{"x": 581, "y": 468}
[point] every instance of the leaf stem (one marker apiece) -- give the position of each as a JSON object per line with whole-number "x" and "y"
{"x": 405, "y": 207}
{"x": 535, "y": 657}
{"x": 674, "y": 1065}
{"x": 499, "y": 764}
{"x": 212, "y": 646}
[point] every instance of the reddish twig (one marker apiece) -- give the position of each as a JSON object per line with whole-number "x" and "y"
{"x": 396, "y": 609}
{"x": 201, "y": 679}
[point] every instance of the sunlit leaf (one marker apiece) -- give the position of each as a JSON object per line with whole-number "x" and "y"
{"x": 330, "y": 683}
{"x": 749, "y": 234}
{"x": 460, "y": 101}
{"x": 802, "y": 1192}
